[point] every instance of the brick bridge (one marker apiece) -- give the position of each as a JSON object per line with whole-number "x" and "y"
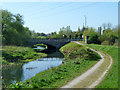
{"x": 55, "y": 43}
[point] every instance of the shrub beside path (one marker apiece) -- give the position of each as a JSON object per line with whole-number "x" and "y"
{"x": 94, "y": 75}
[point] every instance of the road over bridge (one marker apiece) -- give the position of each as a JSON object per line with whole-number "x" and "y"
{"x": 52, "y": 43}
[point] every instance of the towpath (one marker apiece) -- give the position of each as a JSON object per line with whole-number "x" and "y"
{"x": 94, "y": 75}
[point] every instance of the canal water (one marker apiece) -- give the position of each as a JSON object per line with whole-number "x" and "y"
{"x": 16, "y": 73}
{"x": 39, "y": 47}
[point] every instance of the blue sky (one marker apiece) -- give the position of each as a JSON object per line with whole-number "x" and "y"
{"x": 49, "y": 17}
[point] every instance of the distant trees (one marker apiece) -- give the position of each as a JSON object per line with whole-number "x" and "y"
{"x": 63, "y": 33}
{"x": 14, "y": 33}
{"x": 93, "y": 36}
{"x": 66, "y": 31}
{"x": 78, "y": 29}
{"x": 109, "y": 36}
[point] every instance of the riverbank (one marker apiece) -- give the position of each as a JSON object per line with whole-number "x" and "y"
{"x": 17, "y": 54}
{"x": 77, "y": 60}
{"x": 39, "y": 47}
{"x": 111, "y": 79}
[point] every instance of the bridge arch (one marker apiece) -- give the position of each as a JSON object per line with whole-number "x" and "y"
{"x": 52, "y": 43}
{"x": 49, "y": 46}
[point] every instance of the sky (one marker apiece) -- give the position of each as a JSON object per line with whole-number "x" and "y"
{"x": 49, "y": 17}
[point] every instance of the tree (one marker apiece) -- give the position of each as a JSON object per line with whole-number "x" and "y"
{"x": 78, "y": 29}
{"x": 109, "y": 36}
{"x": 68, "y": 32}
{"x": 83, "y": 29}
{"x": 116, "y": 32}
{"x": 13, "y": 31}
{"x": 76, "y": 36}
{"x": 93, "y": 36}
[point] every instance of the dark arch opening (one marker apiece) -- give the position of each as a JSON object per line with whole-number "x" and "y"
{"x": 50, "y": 47}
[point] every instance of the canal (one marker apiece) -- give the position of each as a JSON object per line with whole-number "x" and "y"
{"x": 16, "y": 73}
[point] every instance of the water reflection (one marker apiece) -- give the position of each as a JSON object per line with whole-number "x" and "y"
{"x": 17, "y": 73}
{"x": 12, "y": 74}
{"x": 38, "y": 47}
{"x": 32, "y": 68}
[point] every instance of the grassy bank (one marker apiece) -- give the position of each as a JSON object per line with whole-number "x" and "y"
{"x": 12, "y": 54}
{"x": 78, "y": 60}
{"x": 111, "y": 79}
{"x": 73, "y": 51}
{"x": 42, "y": 45}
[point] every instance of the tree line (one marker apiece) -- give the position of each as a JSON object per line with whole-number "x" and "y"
{"x": 14, "y": 33}
{"x": 105, "y": 36}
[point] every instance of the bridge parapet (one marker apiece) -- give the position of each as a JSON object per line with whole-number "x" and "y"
{"x": 56, "y": 42}
{"x": 56, "y": 39}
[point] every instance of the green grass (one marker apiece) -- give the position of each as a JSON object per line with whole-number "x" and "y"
{"x": 16, "y": 53}
{"x": 111, "y": 79}
{"x": 42, "y": 45}
{"x": 73, "y": 50}
{"x": 59, "y": 76}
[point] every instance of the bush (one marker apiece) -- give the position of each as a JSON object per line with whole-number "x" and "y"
{"x": 105, "y": 43}
{"x": 116, "y": 44}
{"x": 78, "y": 51}
{"x": 109, "y": 36}
{"x": 93, "y": 36}
{"x": 94, "y": 39}
{"x": 4, "y": 61}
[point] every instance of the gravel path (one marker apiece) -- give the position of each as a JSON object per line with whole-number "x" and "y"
{"x": 94, "y": 75}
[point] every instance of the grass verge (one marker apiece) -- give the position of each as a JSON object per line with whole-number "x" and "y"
{"x": 111, "y": 79}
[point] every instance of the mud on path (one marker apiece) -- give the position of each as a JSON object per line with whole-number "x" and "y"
{"x": 94, "y": 75}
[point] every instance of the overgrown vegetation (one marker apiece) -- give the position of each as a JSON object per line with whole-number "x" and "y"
{"x": 15, "y": 54}
{"x": 73, "y": 50}
{"x": 111, "y": 79}
{"x": 59, "y": 76}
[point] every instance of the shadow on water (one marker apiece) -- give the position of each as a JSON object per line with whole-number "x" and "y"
{"x": 16, "y": 73}
{"x": 12, "y": 74}
{"x": 54, "y": 54}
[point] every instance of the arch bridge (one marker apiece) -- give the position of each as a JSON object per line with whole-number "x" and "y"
{"x": 52, "y": 43}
